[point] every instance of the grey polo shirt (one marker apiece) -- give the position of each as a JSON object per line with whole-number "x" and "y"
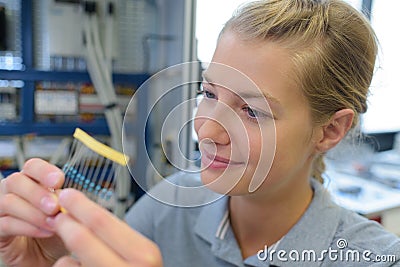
{"x": 326, "y": 234}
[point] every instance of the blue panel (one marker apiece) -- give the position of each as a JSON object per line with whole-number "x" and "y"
{"x": 65, "y": 76}
{"x": 98, "y": 127}
{"x": 26, "y": 108}
{"x": 26, "y": 27}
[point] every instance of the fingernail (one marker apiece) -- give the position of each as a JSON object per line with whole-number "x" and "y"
{"x": 45, "y": 233}
{"x": 51, "y": 222}
{"x": 48, "y": 203}
{"x": 52, "y": 179}
{"x": 64, "y": 194}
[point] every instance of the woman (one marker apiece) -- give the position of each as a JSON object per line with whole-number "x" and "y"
{"x": 295, "y": 72}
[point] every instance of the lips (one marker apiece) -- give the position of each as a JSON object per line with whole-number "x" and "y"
{"x": 216, "y": 162}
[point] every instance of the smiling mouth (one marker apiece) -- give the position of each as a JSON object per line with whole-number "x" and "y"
{"x": 217, "y": 162}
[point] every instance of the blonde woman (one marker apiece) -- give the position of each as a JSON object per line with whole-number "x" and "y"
{"x": 295, "y": 72}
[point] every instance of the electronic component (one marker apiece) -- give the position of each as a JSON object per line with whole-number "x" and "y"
{"x": 56, "y": 102}
{"x": 94, "y": 168}
{"x": 8, "y": 103}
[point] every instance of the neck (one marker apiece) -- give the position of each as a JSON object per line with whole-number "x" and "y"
{"x": 263, "y": 220}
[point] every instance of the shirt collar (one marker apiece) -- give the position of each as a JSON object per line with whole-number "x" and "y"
{"x": 213, "y": 226}
{"x": 316, "y": 228}
{"x": 211, "y": 218}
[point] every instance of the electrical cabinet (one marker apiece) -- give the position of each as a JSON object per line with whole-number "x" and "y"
{"x": 29, "y": 78}
{"x": 44, "y": 92}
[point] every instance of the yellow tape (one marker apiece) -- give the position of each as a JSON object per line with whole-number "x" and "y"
{"x": 101, "y": 148}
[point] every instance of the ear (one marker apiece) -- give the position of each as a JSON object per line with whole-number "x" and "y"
{"x": 335, "y": 129}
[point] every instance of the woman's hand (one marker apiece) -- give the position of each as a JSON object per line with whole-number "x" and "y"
{"x": 96, "y": 238}
{"x": 25, "y": 202}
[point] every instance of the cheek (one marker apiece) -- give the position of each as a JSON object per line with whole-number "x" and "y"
{"x": 262, "y": 142}
{"x": 254, "y": 145}
{"x": 249, "y": 145}
{"x": 293, "y": 144}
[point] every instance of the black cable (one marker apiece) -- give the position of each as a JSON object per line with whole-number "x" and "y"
{"x": 89, "y": 7}
{"x": 3, "y": 28}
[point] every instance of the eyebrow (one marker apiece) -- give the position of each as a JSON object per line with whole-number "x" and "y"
{"x": 245, "y": 95}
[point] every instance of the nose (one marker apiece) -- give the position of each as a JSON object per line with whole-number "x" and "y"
{"x": 212, "y": 129}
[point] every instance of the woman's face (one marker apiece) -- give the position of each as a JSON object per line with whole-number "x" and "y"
{"x": 254, "y": 124}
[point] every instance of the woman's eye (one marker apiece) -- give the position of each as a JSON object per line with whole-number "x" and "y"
{"x": 255, "y": 114}
{"x": 251, "y": 112}
{"x": 208, "y": 94}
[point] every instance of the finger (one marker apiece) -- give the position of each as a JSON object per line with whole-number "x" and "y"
{"x": 10, "y": 226}
{"x": 44, "y": 173}
{"x": 83, "y": 244}
{"x": 14, "y": 206}
{"x": 128, "y": 243}
{"x": 67, "y": 261}
{"x": 26, "y": 188}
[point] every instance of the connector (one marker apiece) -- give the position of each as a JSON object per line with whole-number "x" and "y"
{"x": 89, "y": 7}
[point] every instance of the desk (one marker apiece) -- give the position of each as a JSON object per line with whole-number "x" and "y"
{"x": 366, "y": 197}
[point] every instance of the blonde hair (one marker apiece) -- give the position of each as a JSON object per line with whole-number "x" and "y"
{"x": 333, "y": 49}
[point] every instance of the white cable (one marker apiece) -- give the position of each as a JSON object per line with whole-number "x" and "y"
{"x": 106, "y": 73}
{"x": 60, "y": 151}
{"x": 101, "y": 77}
{"x": 108, "y": 35}
{"x": 114, "y": 120}
{"x": 93, "y": 67}
{"x": 109, "y": 92}
{"x": 19, "y": 153}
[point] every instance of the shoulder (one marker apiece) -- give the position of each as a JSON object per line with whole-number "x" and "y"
{"x": 338, "y": 236}
{"x": 179, "y": 195}
{"x": 354, "y": 232}
{"x": 366, "y": 236}
{"x": 182, "y": 189}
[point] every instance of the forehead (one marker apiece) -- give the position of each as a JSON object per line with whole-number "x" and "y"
{"x": 232, "y": 79}
{"x": 252, "y": 67}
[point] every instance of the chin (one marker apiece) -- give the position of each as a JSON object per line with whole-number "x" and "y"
{"x": 223, "y": 183}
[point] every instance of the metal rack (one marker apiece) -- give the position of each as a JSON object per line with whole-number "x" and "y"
{"x": 30, "y": 75}
{"x": 171, "y": 40}
{"x": 26, "y": 124}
